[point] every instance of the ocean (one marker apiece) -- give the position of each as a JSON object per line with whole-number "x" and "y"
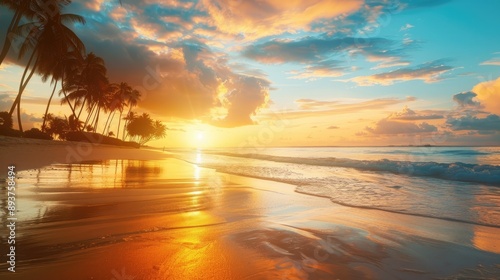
{"x": 451, "y": 183}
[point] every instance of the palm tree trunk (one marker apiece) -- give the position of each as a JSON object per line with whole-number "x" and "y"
{"x": 125, "y": 124}
{"x": 22, "y": 86}
{"x": 66, "y": 96}
{"x": 48, "y": 105}
{"x": 92, "y": 122}
{"x": 97, "y": 118}
{"x": 8, "y": 41}
{"x": 89, "y": 115}
{"x": 106, "y": 124}
{"x": 112, "y": 118}
{"x": 81, "y": 108}
{"x": 119, "y": 123}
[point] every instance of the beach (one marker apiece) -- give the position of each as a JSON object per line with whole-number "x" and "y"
{"x": 101, "y": 212}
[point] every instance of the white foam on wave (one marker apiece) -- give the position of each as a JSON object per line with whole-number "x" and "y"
{"x": 483, "y": 174}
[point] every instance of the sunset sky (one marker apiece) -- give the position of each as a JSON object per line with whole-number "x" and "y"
{"x": 295, "y": 73}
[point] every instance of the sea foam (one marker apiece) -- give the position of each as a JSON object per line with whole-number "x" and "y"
{"x": 458, "y": 171}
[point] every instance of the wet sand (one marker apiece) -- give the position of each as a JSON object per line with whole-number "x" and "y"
{"x": 162, "y": 218}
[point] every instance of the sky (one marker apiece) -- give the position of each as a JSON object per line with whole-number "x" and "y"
{"x": 294, "y": 73}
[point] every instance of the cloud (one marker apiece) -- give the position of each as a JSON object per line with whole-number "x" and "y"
{"x": 466, "y": 100}
{"x": 203, "y": 84}
{"x": 94, "y": 5}
{"x": 409, "y": 115}
{"x": 488, "y": 94}
{"x": 492, "y": 62}
{"x": 257, "y": 19}
{"x": 489, "y": 123}
{"x": 429, "y": 72}
{"x": 311, "y": 104}
{"x": 150, "y": 45}
{"x": 314, "y": 49}
{"x": 406, "y": 27}
{"x": 325, "y": 56}
{"x": 322, "y": 69}
{"x": 386, "y": 126}
{"x": 415, "y": 4}
{"x": 176, "y": 129}
{"x": 28, "y": 120}
{"x": 315, "y": 108}
{"x": 333, "y": 127}
{"x": 169, "y": 50}
{"x": 248, "y": 94}
{"x": 390, "y": 63}
{"x": 5, "y": 102}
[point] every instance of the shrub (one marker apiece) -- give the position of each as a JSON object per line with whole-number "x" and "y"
{"x": 5, "y": 131}
{"x": 6, "y": 120}
{"x": 36, "y": 134}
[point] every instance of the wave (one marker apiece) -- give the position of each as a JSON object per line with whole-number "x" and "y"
{"x": 422, "y": 201}
{"x": 435, "y": 151}
{"x": 458, "y": 171}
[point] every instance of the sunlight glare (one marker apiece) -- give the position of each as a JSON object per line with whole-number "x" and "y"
{"x": 200, "y": 136}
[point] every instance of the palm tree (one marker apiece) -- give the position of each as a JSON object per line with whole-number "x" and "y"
{"x": 128, "y": 118}
{"x": 89, "y": 88}
{"x": 104, "y": 102}
{"x": 50, "y": 40}
{"x": 74, "y": 123}
{"x": 144, "y": 129}
{"x": 114, "y": 102}
{"x": 132, "y": 100}
{"x": 124, "y": 96}
{"x": 160, "y": 130}
{"x": 21, "y": 9}
{"x": 57, "y": 127}
{"x": 61, "y": 70}
{"x": 89, "y": 128}
{"x": 85, "y": 85}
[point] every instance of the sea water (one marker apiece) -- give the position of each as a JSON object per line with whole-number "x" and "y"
{"x": 452, "y": 183}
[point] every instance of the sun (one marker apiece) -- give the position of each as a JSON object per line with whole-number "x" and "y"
{"x": 200, "y": 136}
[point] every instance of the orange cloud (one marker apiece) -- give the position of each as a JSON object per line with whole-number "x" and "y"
{"x": 316, "y": 108}
{"x": 488, "y": 93}
{"x": 257, "y": 19}
{"x": 118, "y": 14}
{"x": 94, "y": 5}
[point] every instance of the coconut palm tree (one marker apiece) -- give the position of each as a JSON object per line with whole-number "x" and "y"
{"x": 132, "y": 100}
{"x": 49, "y": 40}
{"x": 116, "y": 103}
{"x": 128, "y": 118}
{"x": 145, "y": 129}
{"x": 21, "y": 9}
{"x": 87, "y": 86}
{"x": 74, "y": 123}
{"x": 124, "y": 96}
{"x": 62, "y": 68}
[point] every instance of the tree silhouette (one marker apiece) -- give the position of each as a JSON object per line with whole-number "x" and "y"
{"x": 6, "y": 120}
{"x": 144, "y": 129}
{"x": 85, "y": 86}
{"x": 57, "y": 126}
{"x": 48, "y": 39}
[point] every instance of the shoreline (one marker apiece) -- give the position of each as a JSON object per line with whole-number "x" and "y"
{"x": 27, "y": 153}
{"x": 156, "y": 217}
